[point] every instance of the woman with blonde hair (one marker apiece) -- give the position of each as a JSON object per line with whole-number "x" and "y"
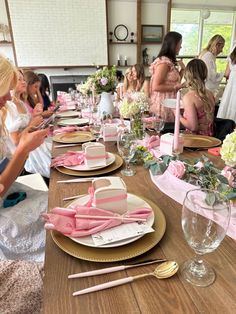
{"x": 208, "y": 55}
{"x": 138, "y": 75}
{"x": 16, "y": 118}
{"x": 129, "y": 84}
{"x": 22, "y": 234}
{"x": 198, "y": 102}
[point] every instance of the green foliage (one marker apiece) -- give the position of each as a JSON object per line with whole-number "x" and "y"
{"x": 200, "y": 172}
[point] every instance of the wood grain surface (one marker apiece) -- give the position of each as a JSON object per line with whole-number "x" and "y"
{"x": 144, "y": 296}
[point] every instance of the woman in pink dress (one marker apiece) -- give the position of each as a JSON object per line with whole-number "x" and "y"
{"x": 165, "y": 76}
{"x": 199, "y": 102}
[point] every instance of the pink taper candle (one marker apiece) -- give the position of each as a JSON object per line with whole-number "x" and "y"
{"x": 177, "y": 122}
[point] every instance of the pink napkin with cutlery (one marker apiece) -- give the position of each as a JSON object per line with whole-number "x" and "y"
{"x": 70, "y": 221}
{"x": 68, "y": 129}
{"x": 71, "y": 158}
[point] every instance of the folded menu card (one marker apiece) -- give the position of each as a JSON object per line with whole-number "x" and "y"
{"x": 122, "y": 232}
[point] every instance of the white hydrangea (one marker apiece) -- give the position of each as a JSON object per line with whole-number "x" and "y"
{"x": 228, "y": 150}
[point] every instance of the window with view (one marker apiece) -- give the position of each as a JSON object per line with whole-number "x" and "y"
{"x": 196, "y": 31}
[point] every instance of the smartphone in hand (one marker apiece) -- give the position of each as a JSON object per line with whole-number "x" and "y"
{"x": 3, "y": 164}
{"x": 43, "y": 125}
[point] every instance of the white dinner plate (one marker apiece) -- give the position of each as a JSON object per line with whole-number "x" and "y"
{"x": 75, "y": 121}
{"x": 171, "y": 103}
{"x": 66, "y": 114}
{"x": 134, "y": 202}
{"x": 111, "y": 158}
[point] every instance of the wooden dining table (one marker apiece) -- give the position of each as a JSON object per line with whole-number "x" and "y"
{"x": 150, "y": 295}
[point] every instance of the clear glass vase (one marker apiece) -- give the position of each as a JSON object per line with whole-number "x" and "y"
{"x": 137, "y": 126}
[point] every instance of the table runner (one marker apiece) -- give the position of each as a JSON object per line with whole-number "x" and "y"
{"x": 177, "y": 189}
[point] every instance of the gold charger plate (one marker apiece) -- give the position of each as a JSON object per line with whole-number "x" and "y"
{"x": 74, "y": 137}
{"x": 115, "y": 165}
{"x": 120, "y": 253}
{"x": 200, "y": 141}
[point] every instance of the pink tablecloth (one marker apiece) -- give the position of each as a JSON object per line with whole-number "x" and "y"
{"x": 177, "y": 189}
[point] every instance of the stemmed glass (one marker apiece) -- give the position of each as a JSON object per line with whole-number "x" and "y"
{"x": 95, "y": 125}
{"x": 96, "y": 129}
{"x": 205, "y": 219}
{"x": 126, "y": 145}
{"x": 158, "y": 122}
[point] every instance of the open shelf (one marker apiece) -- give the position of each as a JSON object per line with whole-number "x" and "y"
{"x": 2, "y": 42}
{"x": 122, "y": 43}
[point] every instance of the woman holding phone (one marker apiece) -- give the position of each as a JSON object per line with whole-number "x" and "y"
{"x": 17, "y": 117}
{"x": 22, "y": 234}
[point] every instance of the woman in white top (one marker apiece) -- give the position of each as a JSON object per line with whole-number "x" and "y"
{"x": 208, "y": 55}
{"x": 227, "y": 108}
{"x": 17, "y": 118}
{"x": 22, "y": 235}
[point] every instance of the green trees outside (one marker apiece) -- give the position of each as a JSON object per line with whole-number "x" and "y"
{"x": 190, "y": 33}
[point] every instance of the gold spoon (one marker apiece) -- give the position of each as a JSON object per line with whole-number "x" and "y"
{"x": 162, "y": 271}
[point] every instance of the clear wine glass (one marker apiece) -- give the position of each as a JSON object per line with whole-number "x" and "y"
{"x": 96, "y": 129}
{"x": 204, "y": 228}
{"x": 158, "y": 122}
{"x": 126, "y": 145}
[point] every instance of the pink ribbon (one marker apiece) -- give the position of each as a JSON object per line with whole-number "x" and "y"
{"x": 116, "y": 198}
{"x": 95, "y": 157}
{"x": 110, "y": 135}
{"x": 65, "y": 221}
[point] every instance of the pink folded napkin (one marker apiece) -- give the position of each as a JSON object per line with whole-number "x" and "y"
{"x": 177, "y": 189}
{"x": 72, "y": 158}
{"x": 70, "y": 222}
{"x": 151, "y": 143}
{"x": 69, "y": 129}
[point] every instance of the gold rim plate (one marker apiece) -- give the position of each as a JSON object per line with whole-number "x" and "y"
{"x": 74, "y": 137}
{"x": 200, "y": 141}
{"x": 73, "y": 121}
{"x": 121, "y": 253}
{"x": 115, "y": 165}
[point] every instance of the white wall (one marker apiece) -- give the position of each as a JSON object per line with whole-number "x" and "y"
{"x": 122, "y": 12}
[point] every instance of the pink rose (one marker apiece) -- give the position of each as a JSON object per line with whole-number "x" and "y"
{"x": 177, "y": 168}
{"x": 229, "y": 173}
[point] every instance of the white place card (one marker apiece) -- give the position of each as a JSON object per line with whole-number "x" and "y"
{"x": 121, "y": 232}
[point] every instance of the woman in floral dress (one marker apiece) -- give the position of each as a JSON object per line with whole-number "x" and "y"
{"x": 165, "y": 76}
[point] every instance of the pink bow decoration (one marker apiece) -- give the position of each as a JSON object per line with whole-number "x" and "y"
{"x": 68, "y": 129}
{"x": 81, "y": 221}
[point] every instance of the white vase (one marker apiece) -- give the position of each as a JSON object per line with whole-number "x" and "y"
{"x": 105, "y": 105}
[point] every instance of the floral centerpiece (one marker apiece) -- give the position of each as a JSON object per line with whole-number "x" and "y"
{"x": 200, "y": 172}
{"x": 103, "y": 80}
{"x": 132, "y": 107}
